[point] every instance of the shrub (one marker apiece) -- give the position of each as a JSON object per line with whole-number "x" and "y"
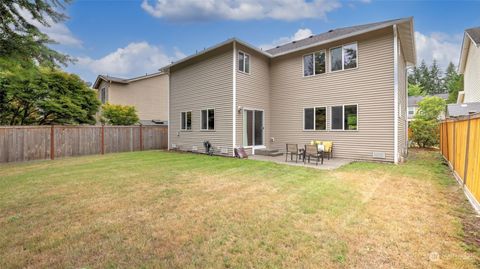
{"x": 119, "y": 115}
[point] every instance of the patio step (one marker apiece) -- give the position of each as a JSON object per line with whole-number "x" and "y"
{"x": 268, "y": 152}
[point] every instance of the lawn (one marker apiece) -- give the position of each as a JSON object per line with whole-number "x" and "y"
{"x": 173, "y": 210}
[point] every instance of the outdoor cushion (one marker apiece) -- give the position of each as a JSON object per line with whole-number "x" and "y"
{"x": 328, "y": 145}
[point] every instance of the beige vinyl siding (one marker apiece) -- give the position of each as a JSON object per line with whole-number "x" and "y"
{"x": 253, "y": 92}
{"x": 370, "y": 86}
{"x": 402, "y": 102}
{"x": 472, "y": 75}
{"x": 149, "y": 96}
{"x": 202, "y": 84}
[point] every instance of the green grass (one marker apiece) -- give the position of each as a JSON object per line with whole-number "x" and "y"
{"x": 173, "y": 210}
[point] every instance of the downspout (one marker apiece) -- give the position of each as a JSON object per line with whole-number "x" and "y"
{"x": 168, "y": 111}
{"x": 395, "y": 94}
{"x": 234, "y": 99}
{"x": 406, "y": 111}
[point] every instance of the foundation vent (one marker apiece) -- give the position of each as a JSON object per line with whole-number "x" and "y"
{"x": 378, "y": 155}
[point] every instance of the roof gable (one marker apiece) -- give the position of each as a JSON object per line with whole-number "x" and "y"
{"x": 405, "y": 34}
{"x": 471, "y": 36}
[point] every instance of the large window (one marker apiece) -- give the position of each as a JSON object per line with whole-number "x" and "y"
{"x": 344, "y": 117}
{"x": 314, "y": 63}
{"x": 243, "y": 62}
{"x": 315, "y": 118}
{"x": 343, "y": 57}
{"x": 186, "y": 120}
{"x": 208, "y": 119}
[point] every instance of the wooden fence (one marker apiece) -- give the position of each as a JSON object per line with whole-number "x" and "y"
{"x": 25, "y": 143}
{"x": 460, "y": 146}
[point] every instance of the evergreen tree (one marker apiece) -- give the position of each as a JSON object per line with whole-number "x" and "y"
{"x": 23, "y": 41}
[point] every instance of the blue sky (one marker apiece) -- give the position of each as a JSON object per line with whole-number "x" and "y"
{"x": 131, "y": 38}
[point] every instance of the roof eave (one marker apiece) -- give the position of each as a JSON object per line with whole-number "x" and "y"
{"x": 382, "y": 26}
{"x": 219, "y": 45}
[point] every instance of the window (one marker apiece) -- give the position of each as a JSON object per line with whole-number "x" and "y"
{"x": 345, "y": 117}
{"x": 315, "y": 118}
{"x": 208, "y": 119}
{"x": 411, "y": 110}
{"x": 343, "y": 57}
{"x": 314, "y": 64}
{"x": 243, "y": 62}
{"x": 186, "y": 120}
{"x": 103, "y": 95}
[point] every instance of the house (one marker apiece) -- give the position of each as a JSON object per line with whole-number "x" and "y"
{"x": 149, "y": 95}
{"x": 348, "y": 85}
{"x": 469, "y": 66}
{"x": 413, "y": 105}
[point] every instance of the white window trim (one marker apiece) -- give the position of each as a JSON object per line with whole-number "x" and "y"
{"x": 191, "y": 123}
{"x": 343, "y": 119}
{"x": 249, "y": 61}
{"x": 214, "y": 115}
{"x": 313, "y": 53}
{"x": 314, "y": 119}
{"x": 343, "y": 57}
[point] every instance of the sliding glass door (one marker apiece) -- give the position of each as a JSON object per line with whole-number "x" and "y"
{"x": 253, "y": 128}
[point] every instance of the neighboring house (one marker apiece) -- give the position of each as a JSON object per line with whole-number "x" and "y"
{"x": 149, "y": 95}
{"x": 469, "y": 66}
{"x": 413, "y": 105}
{"x": 468, "y": 101}
{"x": 348, "y": 85}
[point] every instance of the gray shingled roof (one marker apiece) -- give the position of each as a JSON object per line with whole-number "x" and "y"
{"x": 330, "y": 35}
{"x": 457, "y": 110}
{"x": 413, "y": 100}
{"x": 474, "y": 34}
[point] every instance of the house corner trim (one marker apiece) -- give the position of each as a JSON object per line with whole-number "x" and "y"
{"x": 395, "y": 94}
{"x": 234, "y": 99}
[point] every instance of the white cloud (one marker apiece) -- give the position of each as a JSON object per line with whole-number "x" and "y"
{"x": 58, "y": 32}
{"x": 439, "y": 46}
{"x": 193, "y": 10}
{"x": 299, "y": 34}
{"x": 133, "y": 60}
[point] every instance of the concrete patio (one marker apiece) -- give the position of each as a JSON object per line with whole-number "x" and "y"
{"x": 327, "y": 164}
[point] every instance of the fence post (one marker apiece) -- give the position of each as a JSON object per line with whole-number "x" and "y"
{"x": 141, "y": 137}
{"x": 466, "y": 153}
{"x": 103, "y": 139}
{"x": 52, "y": 142}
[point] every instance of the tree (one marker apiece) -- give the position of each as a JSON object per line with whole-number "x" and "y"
{"x": 41, "y": 96}
{"x": 453, "y": 83}
{"x": 21, "y": 40}
{"x": 436, "y": 80}
{"x": 119, "y": 115}
{"x": 415, "y": 90}
{"x": 425, "y": 124}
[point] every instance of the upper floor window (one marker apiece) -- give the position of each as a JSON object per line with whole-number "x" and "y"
{"x": 103, "y": 95}
{"x": 243, "y": 62}
{"x": 343, "y": 57}
{"x": 208, "y": 119}
{"x": 186, "y": 120}
{"x": 314, "y": 64}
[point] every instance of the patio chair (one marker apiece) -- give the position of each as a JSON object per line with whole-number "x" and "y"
{"x": 328, "y": 148}
{"x": 311, "y": 151}
{"x": 292, "y": 149}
